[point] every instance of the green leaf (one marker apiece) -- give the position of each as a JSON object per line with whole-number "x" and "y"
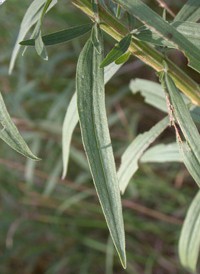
{"x": 10, "y": 134}
{"x": 123, "y": 59}
{"x": 156, "y": 23}
{"x": 39, "y": 44}
{"x": 189, "y": 12}
{"x": 154, "y": 95}
{"x": 190, "y": 161}
{"x": 131, "y": 156}
{"x": 119, "y": 49}
{"x": 189, "y": 30}
{"x": 162, "y": 153}
{"x": 152, "y": 92}
{"x": 71, "y": 119}
{"x": 40, "y": 47}
{"x": 96, "y": 139}
{"x": 189, "y": 242}
{"x": 32, "y": 15}
{"x": 69, "y": 124}
{"x": 191, "y": 152}
{"x": 61, "y": 36}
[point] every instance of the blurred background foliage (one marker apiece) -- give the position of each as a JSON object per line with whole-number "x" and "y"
{"x": 52, "y": 226}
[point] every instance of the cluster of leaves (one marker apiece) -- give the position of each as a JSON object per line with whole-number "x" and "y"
{"x": 88, "y": 107}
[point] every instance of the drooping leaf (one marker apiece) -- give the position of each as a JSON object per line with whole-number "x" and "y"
{"x": 69, "y": 124}
{"x": 61, "y": 36}
{"x": 189, "y": 30}
{"x": 131, "y": 156}
{"x": 156, "y": 23}
{"x": 162, "y": 153}
{"x": 189, "y": 242}
{"x": 37, "y": 33}
{"x": 10, "y": 134}
{"x": 32, "y": 15}
{"x": 96, "y": 139}
{"x": 189, "y": 12}
{"x": 181, "y": 113}
{"x": 71, "y": 119}
{"x": 119, "y": 49}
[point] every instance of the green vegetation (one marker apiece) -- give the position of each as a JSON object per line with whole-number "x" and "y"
{"x": 136, "y": 137}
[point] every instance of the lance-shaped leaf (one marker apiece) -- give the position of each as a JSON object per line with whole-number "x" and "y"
{"x": 96, "y": 139}
{"x": 189, "y": 242}
{"x": 189, "y": 12}
{"x": 71, "y": 119}
{"x": 152, "y": 92}
{"x": 119, "y": 49}
{"x": 154, "y": 95}
{"x": 10, "y": 134}
{"x": 61, "y": 36}
{"x": 156, "y": 23}
{"x": 162, "y": 153}
{"x": 32, "y": 15}
{"x": 131, "y": 156}
{"x": 190, "y": 161}
{"x": 190, "y": 30}
{"x": 37, "y": 33}
{"x": 182, "y": 115}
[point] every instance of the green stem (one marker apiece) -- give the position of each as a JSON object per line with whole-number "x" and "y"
{"x": 143, "y": 51}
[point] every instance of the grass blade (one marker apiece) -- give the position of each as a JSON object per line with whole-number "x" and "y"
{"x": 130, "y": 158}
{"x": 189, "y": 12}
{"x": 96, "y": 139}
{"x": 156, "y": 23}
{"x": 189, "y": 242}
{"x": 10, "y": 134}
{"x": 61, "y": 36}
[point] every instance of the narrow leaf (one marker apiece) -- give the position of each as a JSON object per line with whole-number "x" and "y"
{"x": 188, "y": 128}
{"x": 123, "y": 59}
{"x": 156, "y": 23}
{"x": 130, "y": 158}
{"x": 71, "y": 119}
{"x": 190, "y": 161}
{"x": 152, "y": 92}
{"x": 61, "y": 36}
{"x": 154, "y": 95}
{"x": 119, "y": 49}
{"x": 39, "y": 44}
{"x": 10, "y": 134}
{"x": 162, "y": 153}
{"x": 96, "y": 139}
{"x": 189, "y": 30}
{"x": 32, "y": 15}
{"x": 189, "y": 242}
{"x": 189, "y": 12}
